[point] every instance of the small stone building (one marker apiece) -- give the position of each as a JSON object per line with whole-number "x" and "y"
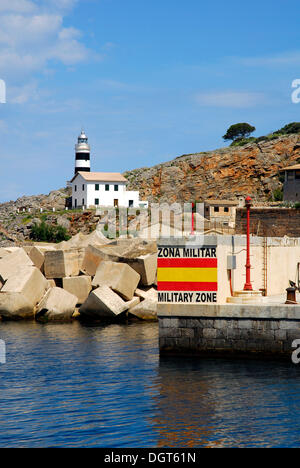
{"x": 221, "y": 211}
{"x": 291, "y": 187}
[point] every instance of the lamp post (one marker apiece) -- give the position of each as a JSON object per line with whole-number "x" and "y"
{"x": 248, "y": 285}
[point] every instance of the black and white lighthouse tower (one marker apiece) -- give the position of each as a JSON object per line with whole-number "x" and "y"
{"x": 82, "y": 151}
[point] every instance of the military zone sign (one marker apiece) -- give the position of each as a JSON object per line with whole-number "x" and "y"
{"x": 187, "y": 274}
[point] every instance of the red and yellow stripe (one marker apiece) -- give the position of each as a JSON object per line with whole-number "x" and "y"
{"x": 187, "y": 274}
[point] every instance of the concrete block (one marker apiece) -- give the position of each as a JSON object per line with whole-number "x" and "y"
{"x": 94, "y": 256}
{"x": 22, "y": 292}
{"x": 11, "y": 264}
{"x": 37, "y": 257}
{"x": 104, "y": 304}
{"x": 14, "y": 306}
{"x": 120, "y": 277}
{"x": 79, "y": 286}
{"x": 57, "y": 305}
{"x": 146, "y": 310}
{"x": 148, "y": 294}
{"x": 134, "y": 302}
{"x": 146, "y": 267}
{"x": 3, "y": 252}
{"x": 61, "y": 263}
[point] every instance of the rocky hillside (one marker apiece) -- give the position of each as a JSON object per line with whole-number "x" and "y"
{"x": 16, "y": 219}
{"x": 225, "y": 173}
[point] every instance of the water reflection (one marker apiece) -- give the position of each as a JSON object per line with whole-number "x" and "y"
{"x": 208, "y": 403}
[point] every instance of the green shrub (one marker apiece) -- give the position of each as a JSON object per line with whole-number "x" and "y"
{"x": 46, "y": 233}
{"x": 297, "y": 205}
{"x": 243, "y": 141}
{"x": 278, "y": 194}
{"x": 290, "y": 128}
{"x": 261, "y": 138}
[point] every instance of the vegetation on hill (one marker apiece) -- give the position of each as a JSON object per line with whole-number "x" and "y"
{"x": 47, "y": 233}
{"x": 289, "y": 129}
{"x": 239, "y": 131}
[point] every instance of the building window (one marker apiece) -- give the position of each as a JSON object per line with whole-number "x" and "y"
{"x": 75, "y": 202}
{"x": 290, "y": 175}
{"x": 83, "y": 202}
{"x": 75, "y": 188}
{"x": 83, "y": 187}
{"x": 226, "y": 209}
{"x": 107, "y": 187}
{"x": 216, "y": 209}
{"x": 297, "y": 175}
{"x": 116, "y": 188}
{"x": 96, "y": 201}
{"x": 130, "y": 203}
{"x": 97, "y": 187}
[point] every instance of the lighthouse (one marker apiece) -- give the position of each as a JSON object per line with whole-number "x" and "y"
{"x": 82, "y": 154}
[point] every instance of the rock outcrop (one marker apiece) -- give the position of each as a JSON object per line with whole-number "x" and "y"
{"x": 225, "y": 173}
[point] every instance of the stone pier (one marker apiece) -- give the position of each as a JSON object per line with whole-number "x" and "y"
{"x": 229, "y": 329}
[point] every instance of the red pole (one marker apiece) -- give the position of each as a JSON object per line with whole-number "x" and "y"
{"x": 193, "y": 230}
{"x": 248, "y": 285}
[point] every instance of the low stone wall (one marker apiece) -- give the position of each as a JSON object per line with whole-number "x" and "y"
{"x": 235, "y": 330}
{"x": 269, "y": 222}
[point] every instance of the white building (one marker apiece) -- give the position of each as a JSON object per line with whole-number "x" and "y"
{"x": 93, "y": 189}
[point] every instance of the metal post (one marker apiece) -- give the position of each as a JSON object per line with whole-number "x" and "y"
{"x": 248, "y": 285}
{"x": 193, "y": 230}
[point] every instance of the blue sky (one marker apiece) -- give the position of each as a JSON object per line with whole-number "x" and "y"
{"x": 148, "y": 80}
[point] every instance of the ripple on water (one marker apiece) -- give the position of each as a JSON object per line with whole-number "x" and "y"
{"x": 105, "y": 386}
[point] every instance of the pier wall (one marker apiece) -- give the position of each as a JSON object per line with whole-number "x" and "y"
{"x": 237, "y": 330}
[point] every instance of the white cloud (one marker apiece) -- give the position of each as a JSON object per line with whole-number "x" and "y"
{"x": 18, "y": 6}
{"x": 232, "y": 99}
{"x": 288, "y": 58}
{"x": 24, "y": 93}
{"x": 32, "y": 36}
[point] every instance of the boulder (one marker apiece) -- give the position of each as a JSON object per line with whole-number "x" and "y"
{"x": 22, "y": 292}
{"x": 94, "y": 256}
{"x": 146, "y": 266}
{"x": 57, "y": 305}
{"x": 103, "y": 304}
{"x": 61, "y": 263}
{"x": 146, "y": 310}
{"x": 12, "y": 263}
{"x": 120, "y": 277}
{"x": 79, "y": 286}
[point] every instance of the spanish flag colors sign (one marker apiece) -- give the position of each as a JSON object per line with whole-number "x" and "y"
{"x": 187, "y": 274}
